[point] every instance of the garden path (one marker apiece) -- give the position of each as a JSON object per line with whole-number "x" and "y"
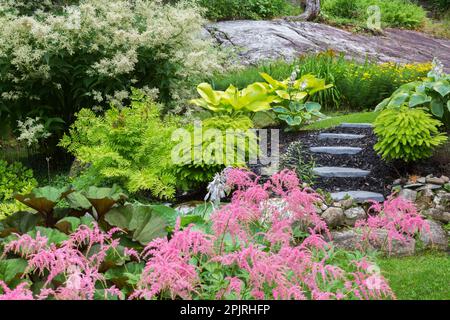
{"x": 337, "y": 172}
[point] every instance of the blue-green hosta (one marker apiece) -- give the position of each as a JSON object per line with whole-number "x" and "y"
{"x": 432, "y": 93}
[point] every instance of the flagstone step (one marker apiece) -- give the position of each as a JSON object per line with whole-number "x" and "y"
{"x": 359, "y": 196}
{"x": 336, "y": 150}
{"x": 356, "y": 125}
{"x": 340, "y": 172}
{"x": 341, "y": 136}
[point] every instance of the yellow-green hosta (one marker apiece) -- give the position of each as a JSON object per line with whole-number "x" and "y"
{"x": 254, "y": 98}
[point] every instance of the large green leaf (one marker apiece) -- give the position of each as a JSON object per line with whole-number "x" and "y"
{"x": 437, "y": 108}
{"x": 144, "y": 222}
{"x": 442, "y": 87}
{"x": 44, "y": 199}
{"x": 418, "y": 99}
{"x": 11, "y": 269}
{"x": 398, "y": 100}
{"x": 208, "y": 93}
{"x": 103, "y": 199}
{"x": 19, "y": 222}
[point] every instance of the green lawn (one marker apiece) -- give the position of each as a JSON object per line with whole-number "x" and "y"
{"x": 422, "y": 277}
{"x": 332, "y": 121}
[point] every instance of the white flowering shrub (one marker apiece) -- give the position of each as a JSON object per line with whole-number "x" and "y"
{"x": 89, "y": 55}
{"x": 32, "y": 131}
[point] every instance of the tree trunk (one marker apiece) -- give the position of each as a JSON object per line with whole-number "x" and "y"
{"x": 311, "y": 11}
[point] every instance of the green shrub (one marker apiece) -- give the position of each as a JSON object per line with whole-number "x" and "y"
{"x": 194, "y": 173}
{"x": 394, "y": 13}
{"x": 130, "y": 146}
{"x": 14, "y": 178}
{"x": 246, "y": 9}
{"x": 407, "y": 134}
{"x": 52, "y": 65}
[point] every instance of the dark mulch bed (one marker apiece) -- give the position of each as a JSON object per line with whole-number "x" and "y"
{"x": 382, "y": 173}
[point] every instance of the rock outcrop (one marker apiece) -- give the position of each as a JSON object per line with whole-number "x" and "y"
{"x": 256, "y": 41}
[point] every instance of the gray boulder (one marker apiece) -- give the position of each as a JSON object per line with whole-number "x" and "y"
{"x": 354, "y": 214}
{"x": 334, "y": 217}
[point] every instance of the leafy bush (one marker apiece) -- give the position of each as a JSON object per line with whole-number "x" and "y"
{"x": 14, "y": 178}
{"x": 255, "y": 97}
{"x": 247, "y": 249}
{"x": 291, "y": 98}
{"x": 433, "y": 93}
{"x": 357, "y": 86}
{"x": 55, "y": 64}
{"x": 394, "y": 13}
{"x": 130, "y": 146}
{"x": 29, "y": 7}
{"x": 246, "y": 9}
{"x": 214, "y": 159}
{"x": 407, "y": 134}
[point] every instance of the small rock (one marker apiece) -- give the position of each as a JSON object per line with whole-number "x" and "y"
{"x": 413, "y": 185}
{"x": 354, "y": 214}
{"x": 397, "y": 182}
{"x": 337, "y": 204}
{"x": 430, "y": 186}
{"x": 429, "y": 176}
{"x": 422, "y": 180}
{"x": 410, "y": 195}
{"x": 347, "y": 203}
{"x": 436, "y": 238}
{"x": 445, "y": 179}
{"x": 437, "y": 181}
{"x": 351, "y": 240}
{"x": 437, "y": 215}
{"x": 324, "y": 207}
{"x": 334, "y": 217}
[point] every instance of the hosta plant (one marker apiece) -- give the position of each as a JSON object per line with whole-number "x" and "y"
{"x": 292, "y": 98}
{"x": 255, "y": 97}
{"x": 407, "y": 134}
{"x": 432, "y": 93}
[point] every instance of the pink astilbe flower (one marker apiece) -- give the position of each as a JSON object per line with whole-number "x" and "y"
{"x": 168, "y": 268}
{"x": 396, "y": 220}
{"x": 368, "y": 283}
{"x": 74, "y": 259}
{"x": 21, "y": 292}
{"x": 25, "y": 245}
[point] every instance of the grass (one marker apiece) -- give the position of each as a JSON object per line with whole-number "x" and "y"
{"x": 422, "y": 277}
{"x": 333, "y": 121}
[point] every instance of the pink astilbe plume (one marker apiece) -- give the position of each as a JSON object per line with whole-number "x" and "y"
{"x": 396, "y": 220}
{"x": 74, "y": 259}
{"x": 168, "y": 268}
{"x": 25, "y": 245}
{"x": 21, "y": 292}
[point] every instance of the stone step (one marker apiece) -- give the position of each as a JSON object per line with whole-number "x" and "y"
{"x": 340, "y": 172}
{"x": 336, "y": 150}
{"x": 356, "y": 125}
{"x": 359, "y": 196}
{"x": 340, "y": 136}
